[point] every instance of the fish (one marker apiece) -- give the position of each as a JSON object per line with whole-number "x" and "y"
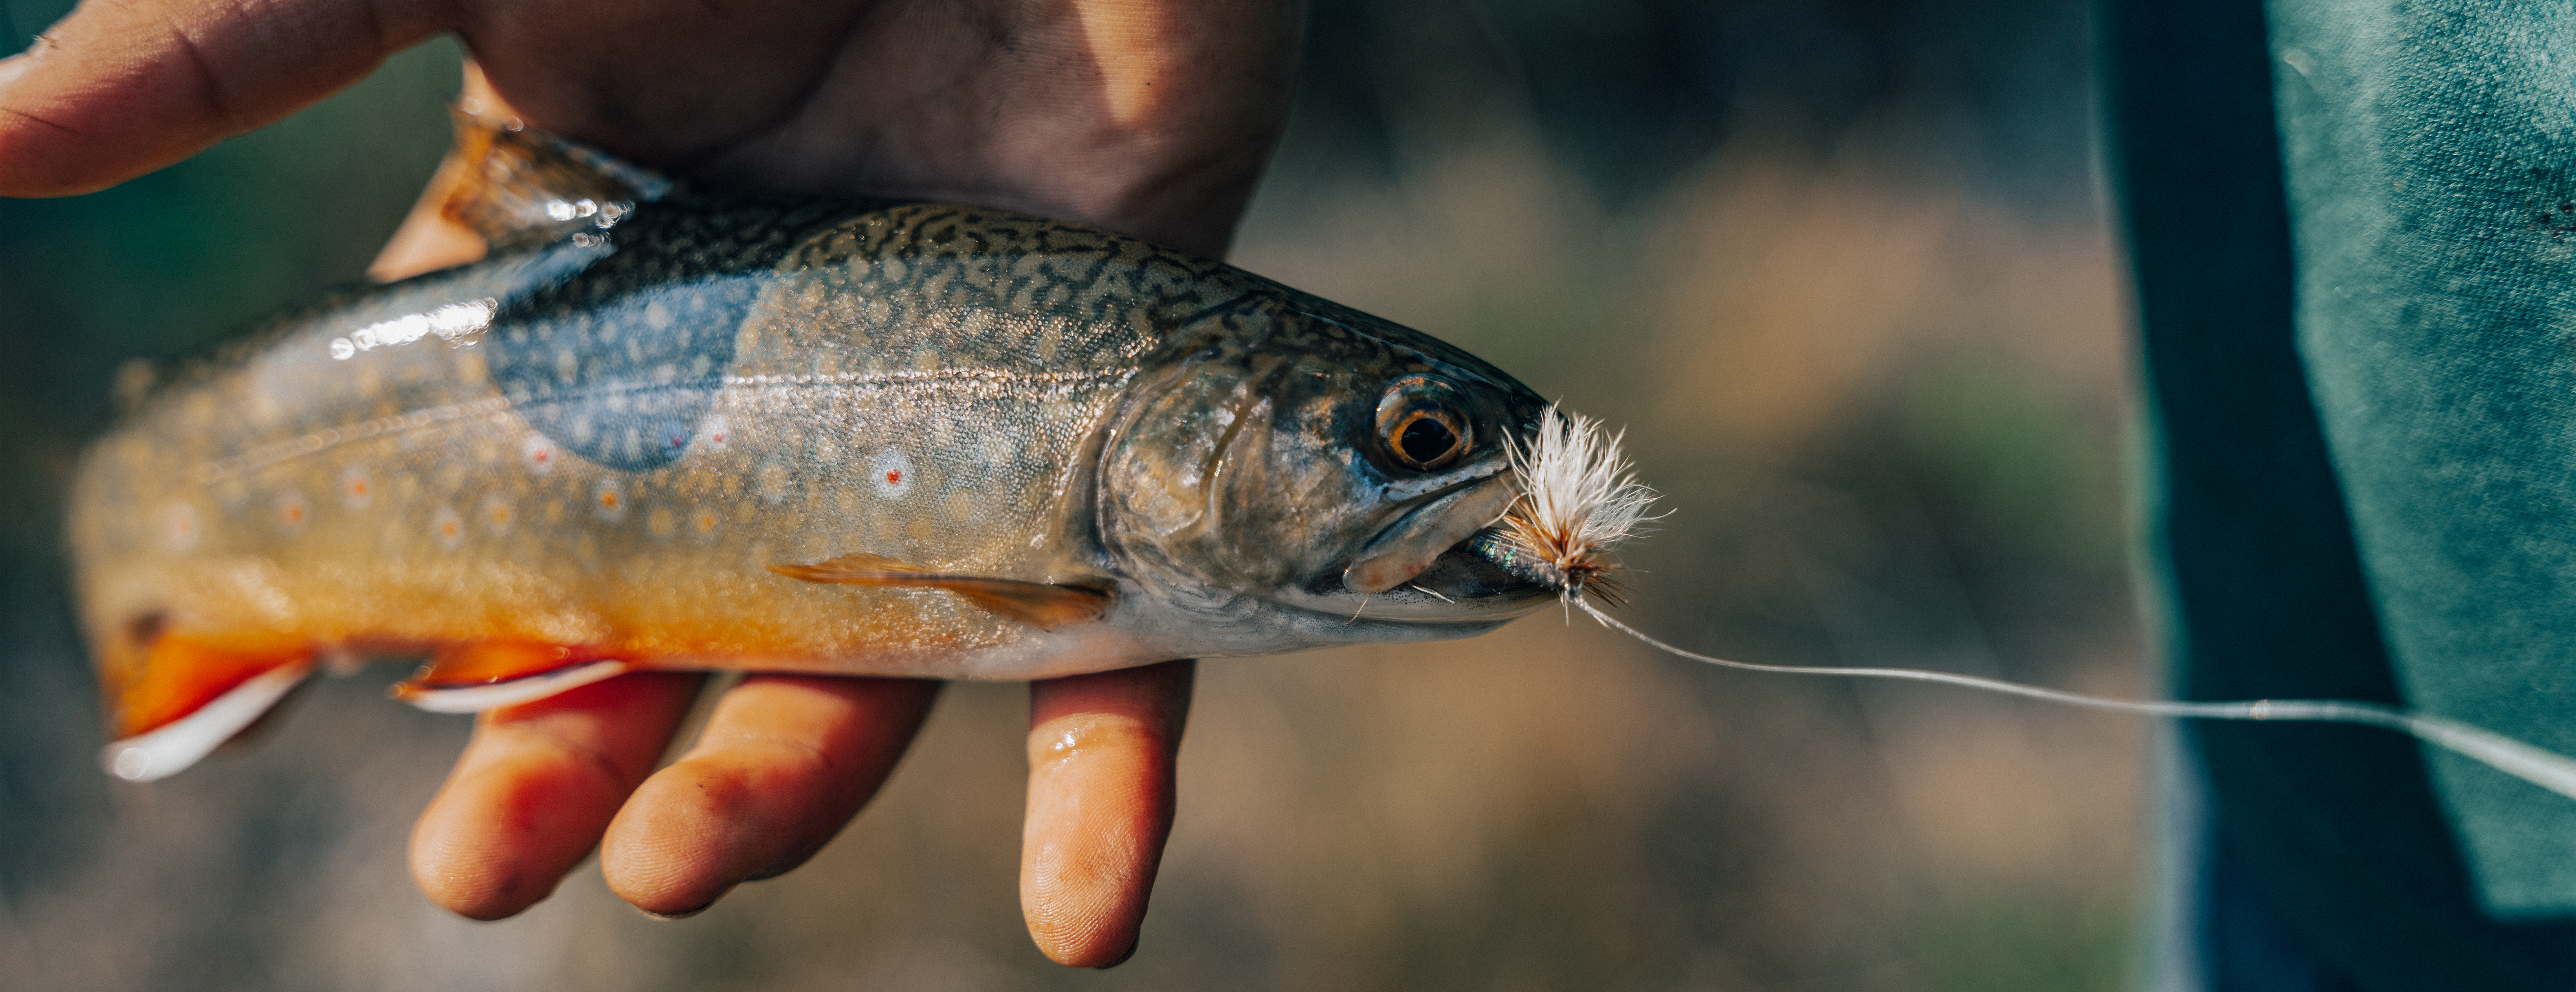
{"x": 666, "y": 425}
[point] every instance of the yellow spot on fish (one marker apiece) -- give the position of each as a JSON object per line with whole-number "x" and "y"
{"x": 264, "y": 406}
{"x": 660, "y": 523}
{"x": 179, "y": 529}
{"x": 498, "y": 514}
{"x": 470, "y": 369}
{"x": 447, "y": 528}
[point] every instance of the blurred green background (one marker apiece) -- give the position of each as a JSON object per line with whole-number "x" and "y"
{"x": 1841, "y": 267}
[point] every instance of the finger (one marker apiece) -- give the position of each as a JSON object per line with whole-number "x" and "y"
{"x": 783, "y": 764}
{"x": 536, "y": 786}
{"x": 123, "y": 87}
{"x": 1101, "y": 750}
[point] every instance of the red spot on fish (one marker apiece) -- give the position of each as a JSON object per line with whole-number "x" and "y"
{"x": 608, "y": 499}
{"x": 355, "y": 487}
{"x": 539, "y": 455}
{"x": 894, "y": 477}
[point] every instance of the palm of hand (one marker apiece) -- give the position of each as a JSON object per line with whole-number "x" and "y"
{"x": 1144, "y": 118}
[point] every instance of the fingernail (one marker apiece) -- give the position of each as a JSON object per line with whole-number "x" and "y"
{"x": 681, "y": 915}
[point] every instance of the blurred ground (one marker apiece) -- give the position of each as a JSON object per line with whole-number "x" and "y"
{"x": 1840, "y": 267}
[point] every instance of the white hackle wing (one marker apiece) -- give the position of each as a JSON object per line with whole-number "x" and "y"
{"x": 1579, "y": 499}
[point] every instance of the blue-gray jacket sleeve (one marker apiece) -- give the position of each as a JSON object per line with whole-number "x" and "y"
{"x": 2356, "y": 331}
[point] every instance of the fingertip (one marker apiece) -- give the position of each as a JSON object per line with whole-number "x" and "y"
{"x": 1098, "y": 812}
{"x": 474, "y": 864}
{"x": 1102, "y": 750}
{"x": 666, "y": 851}
{"x": 533, "y": 790}
{"x": 782, "y": 766}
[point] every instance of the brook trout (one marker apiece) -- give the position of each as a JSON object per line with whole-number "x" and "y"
{"x": 695, "y": 428}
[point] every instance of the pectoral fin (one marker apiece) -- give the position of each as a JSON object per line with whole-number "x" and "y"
{"x": 1037, "y": 604}
{"x": 516, "y": 185}
{"x": 471, "y": 678}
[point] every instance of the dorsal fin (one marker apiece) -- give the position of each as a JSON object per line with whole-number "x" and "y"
{"x": 518, "y": 185}
{"x": 1037, "y": 604}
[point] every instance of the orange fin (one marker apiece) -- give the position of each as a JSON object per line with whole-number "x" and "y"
{"x": 182, "y": 673}
{"x": 194, "y": 694}
{"x": 1037, "y": 604}
{"x": 472, "y": 678}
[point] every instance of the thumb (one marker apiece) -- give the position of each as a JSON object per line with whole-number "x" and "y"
{"x": 123, "y": 87}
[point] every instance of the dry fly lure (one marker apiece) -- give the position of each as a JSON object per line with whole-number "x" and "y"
{"x": 1580, "y": 501}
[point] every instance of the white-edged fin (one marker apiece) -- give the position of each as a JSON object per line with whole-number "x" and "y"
{"x": 174, "y": 746}
{"x": 494, "y": 695}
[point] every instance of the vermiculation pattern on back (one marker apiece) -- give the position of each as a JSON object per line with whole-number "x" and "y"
{"x": 605, "y": 440}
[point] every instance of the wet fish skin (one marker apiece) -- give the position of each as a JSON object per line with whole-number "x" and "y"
{"x": 598, "y": 445}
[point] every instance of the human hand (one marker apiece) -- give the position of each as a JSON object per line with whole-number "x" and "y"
{"x": 1149, "y": 117}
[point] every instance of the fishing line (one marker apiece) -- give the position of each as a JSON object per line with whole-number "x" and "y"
{"x": 2545, "y": 769}
{"x": 1581, "y": 502}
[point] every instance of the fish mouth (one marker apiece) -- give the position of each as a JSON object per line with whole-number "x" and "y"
{"x": 1408, "y": 546}
{"x": 1468, "y": 572}
{"x": 1461, "y": 586}
{"x": 1432, "y": 564}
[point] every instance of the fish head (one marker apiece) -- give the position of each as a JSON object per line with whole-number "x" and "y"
{"x": 1297, "y": 474}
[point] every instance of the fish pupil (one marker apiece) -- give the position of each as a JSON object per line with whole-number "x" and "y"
{"x": 1426, "y": 440}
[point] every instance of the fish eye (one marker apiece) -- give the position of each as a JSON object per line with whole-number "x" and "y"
{"x": 1421, "y": 423}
